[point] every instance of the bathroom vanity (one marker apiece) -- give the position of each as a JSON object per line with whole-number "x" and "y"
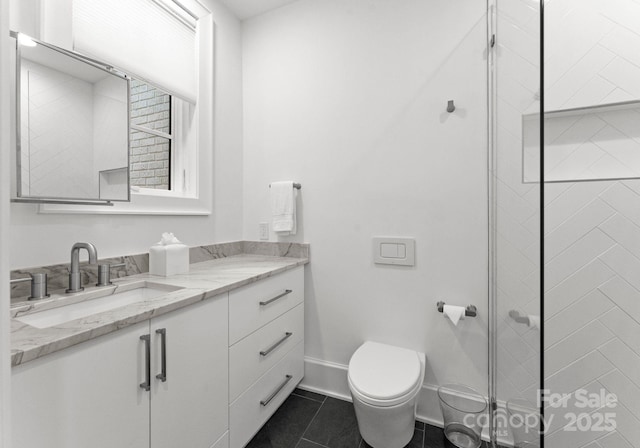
{"x": 203, "y": 363}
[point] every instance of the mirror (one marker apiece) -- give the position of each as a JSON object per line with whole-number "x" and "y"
{"x": 72, "y": 117}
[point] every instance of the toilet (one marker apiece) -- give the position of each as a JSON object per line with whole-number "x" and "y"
{"x": 385, "y": 381}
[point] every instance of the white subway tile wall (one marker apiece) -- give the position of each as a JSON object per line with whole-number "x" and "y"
{"x": 592, "y": 229}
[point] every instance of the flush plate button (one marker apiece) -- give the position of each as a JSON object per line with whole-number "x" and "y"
{"x": 389, "y": 250}
{"x": 392, "y": 250}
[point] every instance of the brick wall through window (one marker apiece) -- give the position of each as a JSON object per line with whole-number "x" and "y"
{"x": 150, "y": 158}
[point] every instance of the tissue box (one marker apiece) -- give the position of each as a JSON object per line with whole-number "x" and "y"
{"x": 168, "y": 260}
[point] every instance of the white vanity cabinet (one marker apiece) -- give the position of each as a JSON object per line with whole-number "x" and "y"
{"x": 83, "y": 396}
{"x": 93, "y": 394}
{"x": 207, "y": 375}
{"x": 187, "y": 409}
{"x": 266, "y": 350}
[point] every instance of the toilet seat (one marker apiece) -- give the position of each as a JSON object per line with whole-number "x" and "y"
{"x": 384, "y": 375}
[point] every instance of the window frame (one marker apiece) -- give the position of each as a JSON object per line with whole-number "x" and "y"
{"x": 197, "y": 198}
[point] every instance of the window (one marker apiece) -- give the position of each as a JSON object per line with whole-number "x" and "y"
{"x": 164, "y": 54}
{"x": 162, "y": 142}
{"x": 151, "y": 139}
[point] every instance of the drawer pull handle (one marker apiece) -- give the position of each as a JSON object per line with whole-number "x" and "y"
{"x": 147, "y": 362}
{"x": 279, "y": 296}
{"x": 287, "y": 335}
{"x": 267, "y": 400}
{"x": 162, "y": 376}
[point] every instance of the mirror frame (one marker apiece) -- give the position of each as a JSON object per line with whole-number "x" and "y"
{"x": 94, "y": 63}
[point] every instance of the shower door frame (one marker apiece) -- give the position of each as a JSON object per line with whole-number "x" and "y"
{"x": 492, "y": 166}
{"x": 492, "y": 218}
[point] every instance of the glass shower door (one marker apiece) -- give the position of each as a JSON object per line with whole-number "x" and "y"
{"x": 515, "y": 195}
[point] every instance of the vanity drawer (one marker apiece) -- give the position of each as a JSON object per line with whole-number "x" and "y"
{"x": 253, "y": 408}
{"x": 252, "y": 356}
{"x": 252, "y": 306}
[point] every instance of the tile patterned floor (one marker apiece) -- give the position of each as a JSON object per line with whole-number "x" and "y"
{"x": 310, "y": 420}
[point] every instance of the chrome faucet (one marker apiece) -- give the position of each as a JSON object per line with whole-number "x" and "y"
{"x": 75, "y": 281}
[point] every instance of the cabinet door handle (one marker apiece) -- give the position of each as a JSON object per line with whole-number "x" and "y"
{"x": 147, "y": 362}
{"x": 266, "y": 401}
{"x": 162, "y": 376}
{"x": 287, "y": 335}
{"x": 279, "y": 296}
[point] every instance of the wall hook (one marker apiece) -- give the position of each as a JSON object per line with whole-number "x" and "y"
{"x": 450, "y": 106}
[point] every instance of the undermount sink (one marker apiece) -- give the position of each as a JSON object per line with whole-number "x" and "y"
{"x": 96, "y": 303}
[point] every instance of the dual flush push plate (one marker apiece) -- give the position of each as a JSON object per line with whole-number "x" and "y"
{"x": 396, "y": 251}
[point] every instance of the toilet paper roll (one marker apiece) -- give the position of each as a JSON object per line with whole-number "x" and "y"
{"x": 454, "y": 313}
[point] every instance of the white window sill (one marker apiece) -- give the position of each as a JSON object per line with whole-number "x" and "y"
{"x": 157, "y": 203}
{"x": 140, "y": 192}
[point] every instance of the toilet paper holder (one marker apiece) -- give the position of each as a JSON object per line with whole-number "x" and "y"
{"x": 470, "y": 311}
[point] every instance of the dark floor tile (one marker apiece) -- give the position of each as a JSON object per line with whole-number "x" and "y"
{"x": 434, "y": 437}
{"x": 308, "y": 444}
{"x": 419, "y": 426}
{"x": 285, "y": 428}
{"x": 416, "y": 441}
{"x": 310, "y": 395}
{"x": 261, "y": 440}
{"x": 335, "y": 425}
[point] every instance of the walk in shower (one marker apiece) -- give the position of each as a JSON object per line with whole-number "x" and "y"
{"x": 565, "y": 222}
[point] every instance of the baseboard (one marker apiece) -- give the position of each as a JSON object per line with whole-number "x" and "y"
{"x": 329, "y": 378}
{"x": 325, "y": 378}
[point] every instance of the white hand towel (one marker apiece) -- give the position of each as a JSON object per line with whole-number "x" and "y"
{"x": 455, "y": 313}
{"x": 283, "y": 207}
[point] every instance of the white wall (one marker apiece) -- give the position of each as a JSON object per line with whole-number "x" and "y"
{"x": 348, "y": 98}
{"x": 37, "y": 239}
{"x": 5, "y": 364}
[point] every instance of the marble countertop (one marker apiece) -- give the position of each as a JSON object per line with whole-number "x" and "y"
{"x": 203, "y": 281}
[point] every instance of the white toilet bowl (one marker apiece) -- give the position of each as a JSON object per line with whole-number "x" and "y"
{"x": 385, "y": 381}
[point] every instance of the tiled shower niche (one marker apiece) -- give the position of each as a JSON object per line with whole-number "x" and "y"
{"x": 591, "y": 143}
